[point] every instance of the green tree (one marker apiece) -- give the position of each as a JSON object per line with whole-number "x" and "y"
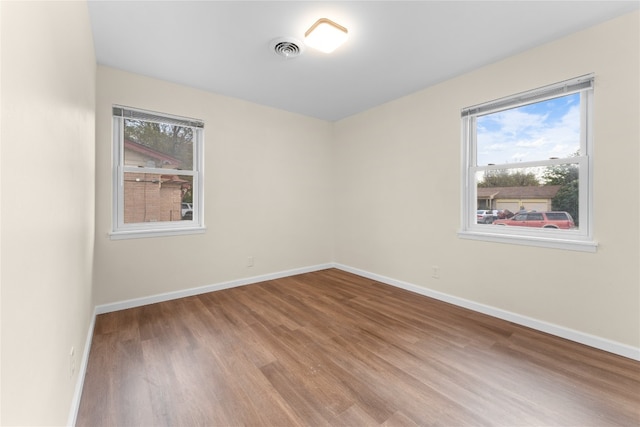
{"x": 176, "y": 141}
{"x": 567, "y": 200}
{"x": 567, "y": 197}
{"x": 504, "y": 178}
{"x": 560, "y": 174}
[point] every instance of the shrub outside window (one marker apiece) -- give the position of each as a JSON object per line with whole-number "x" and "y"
{"x": 527, "y": 168}
{"x": 157, "y": 174}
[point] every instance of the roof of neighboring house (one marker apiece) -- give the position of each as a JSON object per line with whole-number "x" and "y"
{"x": 162, "y": 158}
{"x": 176, "y": 180}
{"x": 530, "y": 192}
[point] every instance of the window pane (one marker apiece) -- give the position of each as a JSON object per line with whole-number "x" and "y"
{"x": 158, "y": 145}
{"x": 538, "y": 131}
{"x": 154, "y": 197}
{"x": 506, "y": 193}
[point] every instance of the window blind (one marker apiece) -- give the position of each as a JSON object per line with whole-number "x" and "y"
{"x": 130, "y": 113}
{"x": 558, "y": 89}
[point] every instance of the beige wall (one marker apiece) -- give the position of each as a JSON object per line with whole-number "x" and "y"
{"x": 267, "y": 193}
{"x": 47, "y": 164}
{"x": 379, "y": 191}
{"x": 397, "y": 185}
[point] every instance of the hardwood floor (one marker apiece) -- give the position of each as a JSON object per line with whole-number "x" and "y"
{"x": 332, "y": 348}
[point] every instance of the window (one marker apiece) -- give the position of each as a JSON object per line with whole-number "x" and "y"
{"x": 527, "y": 163}
{"x": 157, "y": 174}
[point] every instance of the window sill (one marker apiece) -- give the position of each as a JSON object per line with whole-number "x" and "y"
{"x": 545, "y": 242}
{"x": 139, "y": 234}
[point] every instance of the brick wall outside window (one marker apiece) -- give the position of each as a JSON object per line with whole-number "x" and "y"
{"x": 151, "y": 198}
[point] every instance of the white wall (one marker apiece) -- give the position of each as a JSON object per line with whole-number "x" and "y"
{"x": 379, "y": 191}
{"x": 47, "y": 213}
{"x": 397, "y": 184}
{"x": 267, "y": 193}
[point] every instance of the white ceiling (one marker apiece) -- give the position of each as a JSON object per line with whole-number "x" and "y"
{"x": 394, "y": 47}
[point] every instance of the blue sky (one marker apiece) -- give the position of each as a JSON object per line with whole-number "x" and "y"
{"x": 533, "y": 132}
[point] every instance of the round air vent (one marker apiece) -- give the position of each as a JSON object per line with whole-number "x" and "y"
{"x": 287, "y": 47}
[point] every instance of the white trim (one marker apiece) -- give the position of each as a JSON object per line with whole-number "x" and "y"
{"x": 539, "y": 325}
{"x": 580, "y": 239}
{"x": 122, "y": 230}
{"x": 570, "y": 334}
{"x": 138, "y": 302}
{"x": 158, "y": 232}
{"x": 77, "y": 394}
{"x": 518, "y": 239}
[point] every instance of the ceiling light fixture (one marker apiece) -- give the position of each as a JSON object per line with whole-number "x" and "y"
{"x": 325, "y": 35}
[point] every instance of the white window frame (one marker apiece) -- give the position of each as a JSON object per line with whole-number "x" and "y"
{"x": 580, "y": 239}
{"x": 122, "y": 230}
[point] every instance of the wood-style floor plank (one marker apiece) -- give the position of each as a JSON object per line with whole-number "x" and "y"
{"x": 331, "y": 348}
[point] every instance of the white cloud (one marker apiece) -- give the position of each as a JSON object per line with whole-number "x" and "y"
{"x": 531, "y": 144}
{"x": 503, "y": 136}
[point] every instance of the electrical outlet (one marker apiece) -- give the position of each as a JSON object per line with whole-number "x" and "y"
{"x": 250, "y": 261}
{"x": 72, "y": 362}
{"x": 435, "y": 272}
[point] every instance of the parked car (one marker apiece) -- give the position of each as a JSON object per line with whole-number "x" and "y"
{"x": 486, "y": 216}
{"x": 556, "y": 219}
{"x": 187, "y": 211}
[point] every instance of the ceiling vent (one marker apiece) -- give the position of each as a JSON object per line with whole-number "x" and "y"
{"x": 287, "y": 47}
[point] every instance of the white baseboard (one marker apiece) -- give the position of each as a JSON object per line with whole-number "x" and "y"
{"x": 138, "y": 302}
{"x": 570, "y": 334}
{"x": 560, "y": 331}
{"x": 77, "y": 395}
{"x": 550, "y": 328}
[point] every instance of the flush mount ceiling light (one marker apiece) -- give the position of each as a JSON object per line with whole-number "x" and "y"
{"x": 325, "y": 35}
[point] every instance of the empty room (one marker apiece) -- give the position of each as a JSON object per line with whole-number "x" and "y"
{"x": 298, "y": 213}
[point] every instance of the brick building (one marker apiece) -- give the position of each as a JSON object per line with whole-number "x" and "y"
{"x": 150, "y": 197}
